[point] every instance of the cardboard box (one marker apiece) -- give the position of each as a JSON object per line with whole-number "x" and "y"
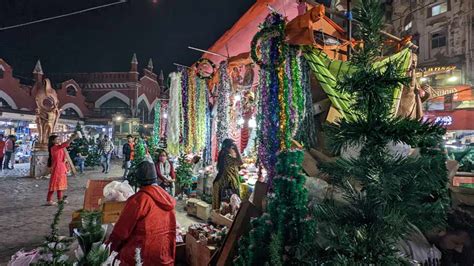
{"x": 197, "y": 254}
{"x": 220, "y": 219}
{"x": 94, "y": 193}
{"x": 203, "y": 210}
{"x": 111, "y": 211}
{"x": 75, "y": 222}
{"x": 191, "y": 206}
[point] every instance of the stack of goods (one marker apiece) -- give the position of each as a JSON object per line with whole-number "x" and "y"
{"x": 208, "y": 235}
{"x": 229, "y": 210}
{"x": 180, "y": 232}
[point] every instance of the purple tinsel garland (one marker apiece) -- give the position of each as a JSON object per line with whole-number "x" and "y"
{"x": 184, "y": 113}
{"x": 223, "y": 103}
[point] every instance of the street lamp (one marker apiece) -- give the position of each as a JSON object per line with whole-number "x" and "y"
{"x": 452, "y": 79}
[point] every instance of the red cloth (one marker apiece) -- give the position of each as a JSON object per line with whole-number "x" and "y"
{"x": 148, "y": 221}
{"x": 160, "y": 175}
{"x": 58, "y": 180}
{"x": 2, "y": 148}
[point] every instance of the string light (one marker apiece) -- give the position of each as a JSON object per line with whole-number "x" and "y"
{"x": 252, "y": 123}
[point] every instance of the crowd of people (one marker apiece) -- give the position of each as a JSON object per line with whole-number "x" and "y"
{"x": 8, "y": 147}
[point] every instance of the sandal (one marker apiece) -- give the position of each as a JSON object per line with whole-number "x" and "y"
{"x": 51, "y": 203}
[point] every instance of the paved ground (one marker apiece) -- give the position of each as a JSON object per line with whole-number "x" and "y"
{"x": 24, "y": 220}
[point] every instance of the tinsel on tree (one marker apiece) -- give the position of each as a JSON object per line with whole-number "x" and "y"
{"x": 155, "y": 141}
{"x": 139, "y": 156}
{"x": 385, "y": 191}
{"x": 280, "y": 236}
{"x": 55, "y": 247}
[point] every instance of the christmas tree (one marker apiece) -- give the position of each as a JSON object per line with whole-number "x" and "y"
{"x": 139, "y": 156}
{"x": 280, "y": 236}
{"x": 90, "y": 236}
{"x": 385, "y": 190}
{"x": 86, "y": 147}
{"x": 184, "y": 173}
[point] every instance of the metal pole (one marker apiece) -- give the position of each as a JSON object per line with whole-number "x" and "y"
{"x": 207, "y": 52}
{"x": 176, "y": 64}
{"x": 349, "y": 31}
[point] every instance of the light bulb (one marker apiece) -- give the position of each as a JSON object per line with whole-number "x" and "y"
{"x": 252, "y": 123}
{"x": 423, "y": 79}
{"x": 241, "y": 121}
{"x": 452, "y": 79}
{"x": 165, "y": 115}
{"x": 237, "y": 98}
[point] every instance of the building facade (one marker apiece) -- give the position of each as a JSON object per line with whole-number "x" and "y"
{"x": 444, "y": 32}
{"x": 90, "y": 97}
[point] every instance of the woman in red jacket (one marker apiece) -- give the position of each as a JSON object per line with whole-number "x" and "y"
{"x": 148, "y": 222}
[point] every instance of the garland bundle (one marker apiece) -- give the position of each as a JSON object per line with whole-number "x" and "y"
{"x": 223, "y": 103}
{"x": 174, "y": 114}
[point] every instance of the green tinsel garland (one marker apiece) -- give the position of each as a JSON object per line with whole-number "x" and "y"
{"x": 156, "y": 126}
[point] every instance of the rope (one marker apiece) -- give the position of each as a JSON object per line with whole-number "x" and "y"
{"x": 62, "y": 16}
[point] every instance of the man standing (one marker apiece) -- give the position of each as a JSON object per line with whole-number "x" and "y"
{"x": 9, "y": 148}
{"x": 107, "y": 148}
{"x": 2, "y": 151}
{"x": 128, "y": 152}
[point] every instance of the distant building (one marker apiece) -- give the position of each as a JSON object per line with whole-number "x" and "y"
{"x": 444, "y": 32}
{"x": 91, "y": 98}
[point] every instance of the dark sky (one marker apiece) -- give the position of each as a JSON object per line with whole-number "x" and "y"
{"x": 104, "y": 40}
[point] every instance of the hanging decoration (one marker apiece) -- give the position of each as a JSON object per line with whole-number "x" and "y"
{"x": 205, "y": 68}
{"x": 223, "y": 104}
{"x": 191, "y": 137}
{"x": 201, "y": 110}
{"x": 207, "y": 152}
{"x": 184, "y": 122}
{"x": 156, "y": 126}
{"x": 306, "y": 133}
{"x": 174, "y": 114}
{"x": 282, "y": 101}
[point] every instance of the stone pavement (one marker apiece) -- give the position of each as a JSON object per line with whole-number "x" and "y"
{"x": 25, "y": 220}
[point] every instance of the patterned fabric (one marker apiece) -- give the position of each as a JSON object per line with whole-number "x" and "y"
{"x": 228, "y": 179}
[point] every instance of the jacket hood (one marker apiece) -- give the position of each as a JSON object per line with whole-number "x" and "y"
{"x": 160, "y": 196}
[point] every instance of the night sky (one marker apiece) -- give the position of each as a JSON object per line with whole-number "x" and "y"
{"x": 104, "y": 40}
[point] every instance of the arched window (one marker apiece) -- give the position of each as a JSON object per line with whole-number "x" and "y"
{"x": 69, "y": 112}
{"x": 71, "y": 90}
{"x": 143, "y": 112}
{"x": 4, "y": 104}
{"x": 2, "y": 72}
{"x": 114, "y": 105}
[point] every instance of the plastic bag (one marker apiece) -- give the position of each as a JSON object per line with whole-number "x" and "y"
{"x": 24, "y": 258}
{"x": 118, "y": 191}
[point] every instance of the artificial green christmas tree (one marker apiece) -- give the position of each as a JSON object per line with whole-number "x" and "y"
{"x": 86, "y": 147}
{"x": 139, "y": 156}
{"x": 184, "y": 173}
{"x": 280, "y": 235}
{"x": 385, "y": 192}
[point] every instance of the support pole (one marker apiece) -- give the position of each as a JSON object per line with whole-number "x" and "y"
{"x": 349, "y": 30}
{"x": 179, "y": 65}
{"x": 207, "y": 52}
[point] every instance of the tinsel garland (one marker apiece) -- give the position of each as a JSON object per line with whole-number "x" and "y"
{"x": 184, "y": 122}
{"x": 207, "y": 153}
{"x": 298, "y": 99}
{"x": 191, "y": 112}
{"x": 270, "y": 95}
{"x": 223, "y": 104}
{"x": 156, "y": 126}
{"x": 306, "y": 133}
{"x": 174, "y": 115}
{"x": 201, "y": 110}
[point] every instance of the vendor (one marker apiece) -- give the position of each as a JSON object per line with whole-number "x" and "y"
{"x": 148, "y": 222}
{"x": 227, "y": 181}
{"x": 165, "y": 172}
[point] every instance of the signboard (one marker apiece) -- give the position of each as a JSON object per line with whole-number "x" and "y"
{"x": 437, "y": 69}
{"x": 444, "y": 120}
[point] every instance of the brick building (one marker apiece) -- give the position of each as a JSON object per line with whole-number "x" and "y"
{"x": 90, "y": 97}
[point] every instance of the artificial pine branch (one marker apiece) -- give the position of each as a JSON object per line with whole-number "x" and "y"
{"x": 384, "y": 192}
{"x": 55, "y": 247}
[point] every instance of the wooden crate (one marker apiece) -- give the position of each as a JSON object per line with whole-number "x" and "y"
{"x": 111, "y": 211}
{"x": 220, "y": 219}
{"x": 94, "y": 193}
{"x": 203, "y": 210}
{"x": 197, "y": 253}
{"x": 191, "y": 206}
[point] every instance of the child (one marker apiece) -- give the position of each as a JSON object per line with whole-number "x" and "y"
{"x": 80, "y": 160}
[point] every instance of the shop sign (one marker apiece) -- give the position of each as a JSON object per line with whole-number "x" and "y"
{"x": 444, "y": 120}
{"x": 444, "y": 91}
{"x": 437, "y": 69}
